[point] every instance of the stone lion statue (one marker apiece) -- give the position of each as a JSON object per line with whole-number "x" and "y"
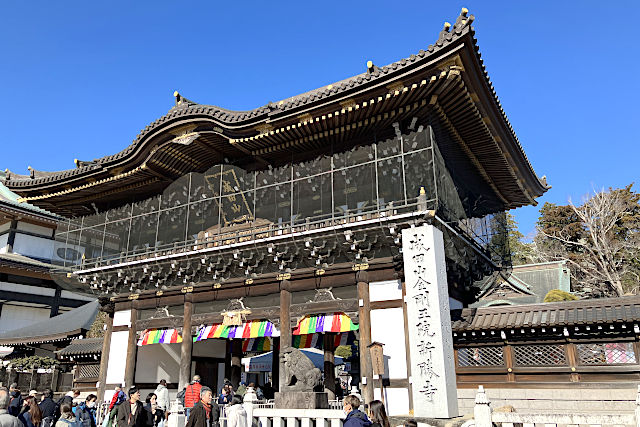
{"x": 300, "y": 373}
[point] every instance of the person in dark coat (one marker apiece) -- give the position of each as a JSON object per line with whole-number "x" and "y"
{"x": 206, "y": 413}
{"x": 47, "y": 405}
{"x": 16, "y": 402}
{"x": 131, "y": 412}
{"x": 86, "y": 411}
{"x": 152, "y": 407}
{"x": 355, "y": 418}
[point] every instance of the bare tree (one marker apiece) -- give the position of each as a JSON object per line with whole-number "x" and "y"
{"x": 602, "y": 246}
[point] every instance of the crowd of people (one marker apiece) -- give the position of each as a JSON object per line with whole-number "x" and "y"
{"x": 201, "y": 408}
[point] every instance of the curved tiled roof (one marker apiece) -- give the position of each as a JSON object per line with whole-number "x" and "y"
{"x": 569, "y": 313}
{"x": 81, "y": 347}
{"x": 233, "y": 120}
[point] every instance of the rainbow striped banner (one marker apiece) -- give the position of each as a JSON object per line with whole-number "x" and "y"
{"x": 336, "y": 322}
{"x": 256, "y": 344}
{"x": 251, "y": 329}
{"x": 315, "y": 340}
{"x": 160, "y": 336}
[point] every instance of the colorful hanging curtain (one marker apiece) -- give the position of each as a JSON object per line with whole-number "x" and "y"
{"x": 256, "y": 344}
{"x": 316, "y": 340}
{"x": 250, "y": 329}
{"x": 336, "y": 322}
{"x": 160, "y": 336}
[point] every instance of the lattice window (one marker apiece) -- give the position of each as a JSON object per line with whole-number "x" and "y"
{"x": 88, "y": 371}
{"x": 539, "y": 355}
{"x": 480, "y": 356}
{"x": 613, "y": 353}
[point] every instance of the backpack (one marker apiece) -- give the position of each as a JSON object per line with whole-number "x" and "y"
{"x": 74, "y": 423}
{"x": 180, "y": 396}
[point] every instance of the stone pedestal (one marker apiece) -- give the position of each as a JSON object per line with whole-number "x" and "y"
{"x": 301, "y": 400}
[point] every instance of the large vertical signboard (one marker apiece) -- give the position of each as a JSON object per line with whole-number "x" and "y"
{"x": 433, "y": 376}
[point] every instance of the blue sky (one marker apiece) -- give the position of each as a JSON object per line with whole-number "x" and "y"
{"x": 81, "y": 79}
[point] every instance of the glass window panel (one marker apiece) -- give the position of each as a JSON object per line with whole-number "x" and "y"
{"x": 143, "y": 232}
{"x": 273, "y": 176}
{"x": 93, "y": 220}
{"x": 59, "y": 247}
{"x": 235, "y": 180}
{"x": 203, "y": 219}
{"x": 118, "y": 213}
{"x": 91, "y": 241}
{"x": 390, "y": 185}
{"x": 312, "y": 198}
{"x": 312, "y": 167}
{"x": 205, "y": 185}
{"x": 274, "y": 203}
{"x": 116, "y": 235}
{"x": 416, "y": 141}
{"x": 176, "y": 194}
{"x": 419, "y": 173}
{"x": 388, "y": 148}
{"x": 237, "y": 208}
{"x": 354, "y": 189}
{"x": 146, "y": 206}
{"x": 355, "y": 156}
{"x": 71, "y": 252}
{"x": 172, "y": 226}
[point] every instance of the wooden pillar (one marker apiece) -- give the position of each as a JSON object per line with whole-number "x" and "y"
{"x": 132, "y": 349}
{"x": 329, "y": 364}
{"x": 275, "y": 364}
{"x": 187, "y": 344}
{"x": 572, "y": 359}
{"x": 227, "y": 359}
{"x": 285, "y": 326}
{"x": 366, "y": 367}
{"x": 104, "y": 358}
{"x": 55, "y": 304}
{"x": 236, "y": 366}
{"x": 11, "y": 238}
{"x": 508, "y": 360}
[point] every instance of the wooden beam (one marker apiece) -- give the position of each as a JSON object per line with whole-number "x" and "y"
{"x": 329, "y": 364}
{"x": 132, "y": 350}
{"x": 285, "y": 330}
{"x": 366, "y": 366}
{"x": 104, "y": 357}
{"x": 187, "y": 344}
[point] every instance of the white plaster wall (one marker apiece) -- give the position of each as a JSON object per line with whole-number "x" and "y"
{"x": 4, "y": 239}
{"x": 19, "y": 316}
{"x": 36, "y": 229}
{"x": 122, "y": 318}
{"x": 158, "y": 361}
{"x": 31, "y": 246}
{"x": 27, "y": 289}
{"x": 396, "y": 400}
{"x": 117, "y": 356}
{"x": 384, "y": 291}
{"x": 387, "y": 327}
{"x": 210, "y": 348}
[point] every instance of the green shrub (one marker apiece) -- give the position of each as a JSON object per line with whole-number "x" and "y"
{"x": 556, "y": 295}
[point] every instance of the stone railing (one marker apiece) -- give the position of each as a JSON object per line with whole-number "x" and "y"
{"x": 483, "y": 416}
{"x": 265, "y": 415}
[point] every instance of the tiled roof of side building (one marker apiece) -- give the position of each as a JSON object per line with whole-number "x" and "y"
{"x": 81, "y": 347}
{"x": 12, "y": 201}
{"x": 569, "y": 313}
{"x": 299, "y": 104}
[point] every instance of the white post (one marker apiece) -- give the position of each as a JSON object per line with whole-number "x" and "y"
{"x": 248, "y": 402}
{"x": 482, "y": 409}
{"x": 638, "y": 408}
{"x": 430, "y": 337}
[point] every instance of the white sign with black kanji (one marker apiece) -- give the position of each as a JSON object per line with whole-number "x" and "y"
{"x": 433, "y": 376}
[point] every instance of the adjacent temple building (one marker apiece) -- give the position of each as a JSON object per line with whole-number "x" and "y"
{"x": 369, "y": 208}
